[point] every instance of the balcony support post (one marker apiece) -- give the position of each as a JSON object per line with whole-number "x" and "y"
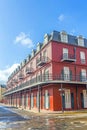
{"x": 30, "y": 99}
{"x": 38, "y": 98}
{"x": 77, "y": 97}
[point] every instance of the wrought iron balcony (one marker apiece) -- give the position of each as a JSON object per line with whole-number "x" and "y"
{"x": 20, "y": 76}
{"x": 42, "y": 60}
{"x": 49, "y": 78}
{"x": 29, "y": 70}
{"x": 83, "y": 61}
{"x": 68, "y": 58}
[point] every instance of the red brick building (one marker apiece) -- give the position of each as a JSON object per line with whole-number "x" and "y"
{"x": 53, "y": 77}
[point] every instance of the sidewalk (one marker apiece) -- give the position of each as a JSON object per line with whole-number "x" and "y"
{"x": 58, "y": 114}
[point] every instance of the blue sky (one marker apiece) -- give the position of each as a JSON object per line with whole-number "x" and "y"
{"x": 23, "y": 24}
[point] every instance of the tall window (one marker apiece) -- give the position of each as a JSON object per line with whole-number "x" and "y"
{"x": 64, "y": 37}
{"x": 27, "y": 100}
{"x": 66, "y": 73}
{"x": 67, "y": 98}
{"x": 65, "y": 53}
{"x": 31, "y": 64}
{"x": 82, "y": 57}
{"x": 46, "y": 38}
{"x": 37, "y": 99}
{"x": 85, "y": 98}
{"x": 32, "y": 100}
{"x": 46, "y": 99}
{"x": 83, "y": 75}
{"x": 46, "y": 75}
{"x": 22, "y": 100}
{"x": 80, "y": 41}
{"x": 45, "y": 55}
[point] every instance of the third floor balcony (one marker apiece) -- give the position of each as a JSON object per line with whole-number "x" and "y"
{"x": 29, "y": 70}
{"x": 42, "y": 60}
{"x": 68, "y": 57}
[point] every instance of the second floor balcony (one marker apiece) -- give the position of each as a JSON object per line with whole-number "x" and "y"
{"x": 48, "y": 79}
{"x": 68, "y": 57}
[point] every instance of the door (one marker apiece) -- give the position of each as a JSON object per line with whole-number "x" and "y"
{"x": 46, "y": 99}
{"x": 22, "y": 100}
{"x": 82, "y": 100}
{"x": 67, "y": 98}
{"x": 72, "y": 100}
{"x": 63, "y": 101}
{"x": 32, "y": 100}
{"x": 85, "y": 98}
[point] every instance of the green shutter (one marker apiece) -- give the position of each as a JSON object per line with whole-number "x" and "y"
{"x": 62, "y": 74}
{"x": 71, "y": 75}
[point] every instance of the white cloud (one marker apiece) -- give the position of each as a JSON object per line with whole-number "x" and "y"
{"x": 24, "y": 39}
{"x": 4, "y": 74}
{"x": 61, "y": 17}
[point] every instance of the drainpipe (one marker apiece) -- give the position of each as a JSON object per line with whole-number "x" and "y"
{"x": 16, "y": 99}
{"x": 75, "y": 62}
{"x": 38, "y": 98}
{"x": 77, "y": 99}
{"x": 62, "y": 97}
{"x": 30, "y": 99}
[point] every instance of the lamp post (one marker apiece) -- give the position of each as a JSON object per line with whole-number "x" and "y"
{"x": 61, "y": 90}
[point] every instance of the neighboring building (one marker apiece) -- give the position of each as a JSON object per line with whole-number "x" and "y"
{"x": 53, "y": 77}
{"x": 2, "y": 90}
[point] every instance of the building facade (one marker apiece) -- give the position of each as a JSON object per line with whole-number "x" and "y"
{"x": 53, "y": 77}
{"x": 2, "y": 90}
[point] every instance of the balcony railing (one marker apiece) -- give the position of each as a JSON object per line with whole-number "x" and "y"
{"x": 83, "y": 61}
{"x": 42, "y": 60}
{"x": 29, "y": 70}
{"x": 68, "y": 57}
{"x": 49, "y": 78}
{"x": 20, "y": 76}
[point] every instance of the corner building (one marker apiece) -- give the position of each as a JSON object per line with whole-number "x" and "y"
{"x": 53, "y": 77}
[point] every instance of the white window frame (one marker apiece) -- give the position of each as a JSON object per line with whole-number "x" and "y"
{"x": 85, "y": 98}
{"x": 82, "y": 57}
{"x": 66, "y": 73}
{"x": 32, "y": 100}
{"x": 67, "y": 98}
{"x": 46, "y": 74}
{"x": 83, "y": 73}
{"x": 80, "y": 41}
{"x": 46, "y": 100}
{"x": 64, "y": 37}
{"x": 45, "y": 38}
{"x": 65, "y": 53}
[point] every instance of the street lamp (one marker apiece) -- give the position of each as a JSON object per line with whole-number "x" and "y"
{"x": 62, "y": 91}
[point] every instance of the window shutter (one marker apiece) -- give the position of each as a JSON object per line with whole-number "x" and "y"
{"x": 80, "y": 76}
{"x": 71, "y": 75}
{"x": 62, "y": 74}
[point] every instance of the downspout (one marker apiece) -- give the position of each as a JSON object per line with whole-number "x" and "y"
{"x": 30, "y": 99}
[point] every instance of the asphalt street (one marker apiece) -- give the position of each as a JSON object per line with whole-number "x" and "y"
{"x": 12, "y": 118}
